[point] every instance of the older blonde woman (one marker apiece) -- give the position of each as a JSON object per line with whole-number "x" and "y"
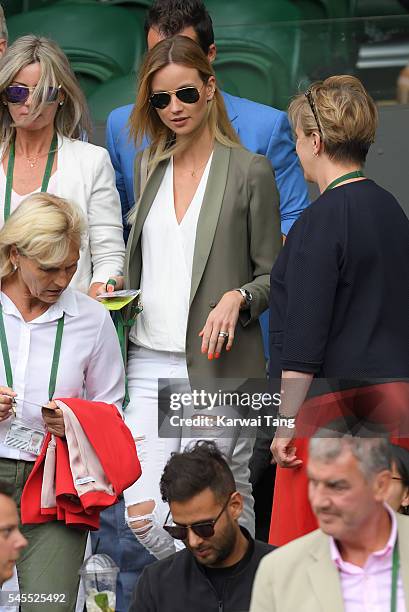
{"x": 338, "y": 305}
{"x": 43, "y": 119}
{"x": 39, "y": 314}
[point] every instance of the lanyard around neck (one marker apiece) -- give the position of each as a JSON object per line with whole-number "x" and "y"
{"x": 395, "y": 574}
{"x": 345, "y": 177}
{"x": 56, "y": 355}
{"x": 10, "y": 172}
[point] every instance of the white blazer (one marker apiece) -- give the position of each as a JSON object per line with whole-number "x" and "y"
{"x": 86, "y": 178}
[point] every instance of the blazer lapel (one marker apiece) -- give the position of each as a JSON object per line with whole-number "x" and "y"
{"x": 144, "y": 206}
{"x": 324, "y": 578}
{"x": 209, "y": 213}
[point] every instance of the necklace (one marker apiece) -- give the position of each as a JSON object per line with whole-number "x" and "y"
{"x": 194, "y": 171}
{"x": 32, "y": 161}
{"x": 10, "y": 172}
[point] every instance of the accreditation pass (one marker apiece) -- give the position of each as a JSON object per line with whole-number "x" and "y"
{"x": 24, "y": 438}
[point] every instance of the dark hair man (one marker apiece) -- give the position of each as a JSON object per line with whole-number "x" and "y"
{"x": 215, "y": 571}
{"x": 261, "y": 129}
{"x": 359, "y": 557}
{"x": 12, "y": 541}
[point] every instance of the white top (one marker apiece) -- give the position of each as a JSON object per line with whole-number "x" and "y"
{"x": 90, "y": 364}
{"x": 16, "y": 198}
{"x": 86, "y": 178}
{"x": 167, "y": 256}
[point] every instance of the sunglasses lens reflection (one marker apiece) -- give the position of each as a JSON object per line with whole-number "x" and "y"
{"x": 179, "y": 532}
{"x": 160, "y": 100}
{"x": 18, "y": 94}
{"x": 188, "y": 95}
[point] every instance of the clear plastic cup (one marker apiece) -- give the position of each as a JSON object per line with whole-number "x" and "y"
{"x": 99, "y": 574}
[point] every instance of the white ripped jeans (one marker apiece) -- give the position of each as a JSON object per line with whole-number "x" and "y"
{"x": 145, "y": 366}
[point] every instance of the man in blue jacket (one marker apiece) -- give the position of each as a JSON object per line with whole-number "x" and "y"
{"x": 261, "y": 129}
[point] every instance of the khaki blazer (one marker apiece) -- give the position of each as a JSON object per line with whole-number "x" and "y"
{"x": 237, "y": 241}
{"x": 301, "y": 576}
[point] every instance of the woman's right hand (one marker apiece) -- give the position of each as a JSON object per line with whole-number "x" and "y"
{"x": 108, "y": 287}
{"x": 6, "y": 398}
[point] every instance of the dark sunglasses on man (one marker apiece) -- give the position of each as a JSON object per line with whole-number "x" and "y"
{"x": 187, "y": 95}
{"x": 203, "y": 530}
{"x": 18, "y": 94}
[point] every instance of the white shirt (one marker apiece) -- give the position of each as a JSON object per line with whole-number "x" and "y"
{"x": 90, "y": 365}
{"x": 16, "y": 198}
{"x": 167, "y": 256}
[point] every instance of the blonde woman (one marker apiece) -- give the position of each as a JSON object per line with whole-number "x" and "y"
{"x": 339, "y": 298}
{"x": 43, "y": 121}
{"x": 205, "y": 234}
{"x": 39, "y": 253}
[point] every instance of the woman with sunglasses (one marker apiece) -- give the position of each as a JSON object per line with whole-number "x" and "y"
{"x": 398, "y": 494}
{"x": 338, "y": 309}
{"x": 44, "y": 121}
{"x": 205, "y": 234}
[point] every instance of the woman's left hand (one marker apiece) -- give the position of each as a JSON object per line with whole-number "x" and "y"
{"x": 284, "y": 450}
{"x": 54, "y": 419}
{"x": 223, "y": 318}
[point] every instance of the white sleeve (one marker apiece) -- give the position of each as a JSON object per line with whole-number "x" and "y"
{"x": 105, "y": 222}
{"x": 105, "y": 373}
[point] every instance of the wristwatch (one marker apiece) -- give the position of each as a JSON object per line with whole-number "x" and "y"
{"x": 246, "y": 295}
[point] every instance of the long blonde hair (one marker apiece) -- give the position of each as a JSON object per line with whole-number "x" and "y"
{"x": 42, "y": 228}
{"x": 72, "y": 119}
{"x": 144, "y": 119}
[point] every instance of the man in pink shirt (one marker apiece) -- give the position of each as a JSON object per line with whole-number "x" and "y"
{"x": 358, "y": 560}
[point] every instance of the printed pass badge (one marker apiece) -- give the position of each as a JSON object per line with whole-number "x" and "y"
{"x": 24, "y": 438}
{"x": 115, "y": 300}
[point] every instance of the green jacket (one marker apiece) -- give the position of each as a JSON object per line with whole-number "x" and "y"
{"x": 237, "y": 241}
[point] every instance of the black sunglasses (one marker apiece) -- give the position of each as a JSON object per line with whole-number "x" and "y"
{"x": 188, "y": 95}
{"x": 203, "y": 530}
{"x": 310, "y": 100}
{"x": 18, "y": 94}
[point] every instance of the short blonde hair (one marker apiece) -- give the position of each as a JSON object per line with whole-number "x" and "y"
{"x": 345, "y": 116}
{"x": 72, "y": 118}
{"x": 3, "y": 26}
{"x": 42, "y": 228}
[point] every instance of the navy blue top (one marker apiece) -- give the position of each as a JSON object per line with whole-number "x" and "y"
{"x": 339, "y": 297}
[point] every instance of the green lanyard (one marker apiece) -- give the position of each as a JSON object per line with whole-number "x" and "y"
{"x": 56, "y": 355}
{"x": 345, "y": 177}
{"x": 395, "y": 574}
{"x": 10, "y": 171}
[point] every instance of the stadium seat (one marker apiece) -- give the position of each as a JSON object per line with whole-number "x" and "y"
{"x": 379, "y": 8}
{"x": 140, "y": 4}
{"x": 252, "y": 70}
{"x": 110, "y": 95}
{"x": 11, "y": 7}
{"x": 101, "y": 41}
{"x": 273, "y": 24}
